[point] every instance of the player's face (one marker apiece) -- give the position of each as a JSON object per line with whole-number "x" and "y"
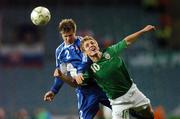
{"x": 69, "y": 37}
{"x": 91, "y": 47}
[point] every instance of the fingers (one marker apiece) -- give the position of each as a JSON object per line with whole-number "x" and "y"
{"x": 153, "y": 27}
{"x": 149, "y": 28}
{"x": 49, "y": 96}
{"x": 79, "y": 79}
{"x": 82, "y": 78}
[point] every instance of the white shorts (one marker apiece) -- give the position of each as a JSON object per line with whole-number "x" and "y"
{"x": 134, "y": 98}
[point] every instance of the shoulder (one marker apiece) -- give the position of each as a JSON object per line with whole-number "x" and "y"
{"x": 109, "y": 51}
{"x": 120, "y": 44}
{"x": 60, "y": 48}
{"x": 78, "y": 40}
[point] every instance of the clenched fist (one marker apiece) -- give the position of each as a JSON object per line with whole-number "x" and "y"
{"x": 49, "y": 96}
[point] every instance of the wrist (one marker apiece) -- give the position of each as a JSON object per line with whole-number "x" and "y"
{"x": 142, "y": 31}
{"x": 53, "y": 92}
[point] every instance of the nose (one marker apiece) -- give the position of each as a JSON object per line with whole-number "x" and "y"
{"x": 90, "y": 44}
{"x": 68, "y": 38}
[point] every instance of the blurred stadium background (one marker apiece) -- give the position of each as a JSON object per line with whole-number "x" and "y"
{"x": 27, "y": 53}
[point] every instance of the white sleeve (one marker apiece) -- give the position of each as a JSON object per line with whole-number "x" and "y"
{"x": 72, "y": 70}
{"x": 63, "y": 68}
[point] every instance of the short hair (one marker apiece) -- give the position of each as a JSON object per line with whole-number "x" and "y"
{"x": 85, "y": 38}
{"x": 67, "y": 25}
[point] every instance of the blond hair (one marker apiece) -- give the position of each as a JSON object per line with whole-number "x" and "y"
{"x": 86, "y": 38}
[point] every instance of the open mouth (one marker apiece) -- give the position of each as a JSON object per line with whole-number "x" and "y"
{"x": 92, "y": 48}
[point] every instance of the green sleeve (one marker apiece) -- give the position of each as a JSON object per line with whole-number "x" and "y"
{"x": 118, "y": 47}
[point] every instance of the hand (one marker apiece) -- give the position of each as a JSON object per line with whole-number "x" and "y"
{"x": 79, "y": 78}
{"x": 148, "y": 28}
{"x": 49, "y": 96}
{"x": 57, "y": 73}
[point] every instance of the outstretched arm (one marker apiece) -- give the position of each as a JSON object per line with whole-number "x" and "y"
{"x": 133, "y": 37}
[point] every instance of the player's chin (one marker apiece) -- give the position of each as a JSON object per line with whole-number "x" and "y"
{"x": 92, "y": 53}
{"x": 70, "y": 41}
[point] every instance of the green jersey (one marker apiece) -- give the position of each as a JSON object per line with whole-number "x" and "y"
{"x": 110, "y": 72}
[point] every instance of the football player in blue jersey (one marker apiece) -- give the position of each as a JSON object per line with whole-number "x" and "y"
{"x": 69, "y": 60}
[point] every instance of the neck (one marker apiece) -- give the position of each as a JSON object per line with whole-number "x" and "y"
{"x": 67, "y": 43}
{"x": 96, "y": 57}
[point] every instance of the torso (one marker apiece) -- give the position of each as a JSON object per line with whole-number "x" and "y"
{"x": 111, "y": 75}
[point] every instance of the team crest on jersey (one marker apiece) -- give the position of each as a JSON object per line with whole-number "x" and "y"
{"x": 107, "y": 55}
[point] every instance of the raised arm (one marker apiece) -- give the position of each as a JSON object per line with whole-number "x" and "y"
{"x": 133, "y": 37}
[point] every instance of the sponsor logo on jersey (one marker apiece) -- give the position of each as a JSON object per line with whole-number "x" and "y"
{"x": 107, "y": 55}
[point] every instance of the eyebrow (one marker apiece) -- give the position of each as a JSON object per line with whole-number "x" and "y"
{"x": 68, "y": 35}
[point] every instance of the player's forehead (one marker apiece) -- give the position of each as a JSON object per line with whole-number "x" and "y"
{"x": 90, "y": 41}
{"x": 65, "y": 34}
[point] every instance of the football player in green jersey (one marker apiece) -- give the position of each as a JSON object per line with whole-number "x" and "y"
{"x": 110, "y": 73}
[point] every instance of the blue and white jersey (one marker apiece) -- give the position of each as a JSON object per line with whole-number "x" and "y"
{"x": 69, "y": 58}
